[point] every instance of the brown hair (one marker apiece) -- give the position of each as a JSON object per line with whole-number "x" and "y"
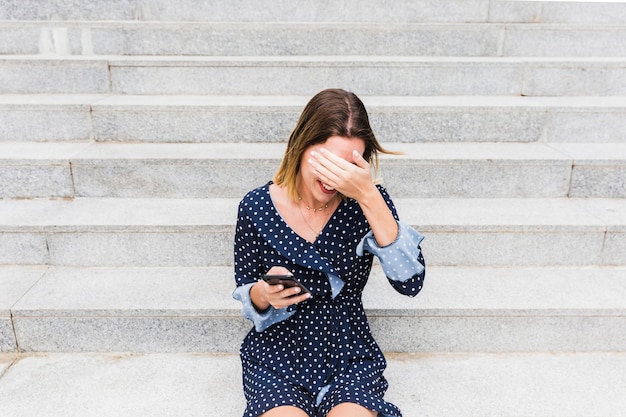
{"x": 331, "y": 112}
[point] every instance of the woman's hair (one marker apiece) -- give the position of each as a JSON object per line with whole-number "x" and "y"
{"x": 331, "y": 112}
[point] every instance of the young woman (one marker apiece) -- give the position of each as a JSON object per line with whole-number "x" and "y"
{"x": 322, "y": 219}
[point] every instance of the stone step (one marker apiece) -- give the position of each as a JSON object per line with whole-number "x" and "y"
{"x": 129, "y": 118}
{"x": 195, "y": 385}
{"x": 348, "y": 11}
{"x": 276, "y": 39}
{"x": 306, "y": 75}
{"x": 199, "y": 232}
{"x": 202, "y": 170}
{"x": 523, "y": 309}
{"x": 439, "y": 385}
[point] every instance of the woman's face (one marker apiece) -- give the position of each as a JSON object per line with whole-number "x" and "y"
{"x": 311, "y": 189}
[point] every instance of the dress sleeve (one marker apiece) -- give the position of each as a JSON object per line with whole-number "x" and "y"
{"x": 261, "y": 320}
{"x": 402, "y": 260}
{"x": 248, "y": 269}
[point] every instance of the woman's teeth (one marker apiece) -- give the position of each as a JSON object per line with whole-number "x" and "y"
{"x": 327, "y": 187}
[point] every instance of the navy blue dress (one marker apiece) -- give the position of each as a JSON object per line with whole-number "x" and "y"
{"x": 319, "y": 353}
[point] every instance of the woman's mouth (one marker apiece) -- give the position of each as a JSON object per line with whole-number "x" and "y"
{"x": 326, "y": 188}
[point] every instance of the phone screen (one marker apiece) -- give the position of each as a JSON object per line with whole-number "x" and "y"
{"x": 288, "y": 281}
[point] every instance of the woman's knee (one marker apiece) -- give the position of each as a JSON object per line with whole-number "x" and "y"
{"x": 285, "y": 411}
{"x": 351, "y": 410}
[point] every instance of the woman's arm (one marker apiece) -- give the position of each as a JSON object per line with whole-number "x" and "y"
{"x": 396, "y": 245}
{"x": 402, "y": 261}
{"x": 256, "y": 295}
{"x": 354, "y": 180}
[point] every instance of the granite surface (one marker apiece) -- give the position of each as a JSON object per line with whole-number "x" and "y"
{"x": 453, "y": 385}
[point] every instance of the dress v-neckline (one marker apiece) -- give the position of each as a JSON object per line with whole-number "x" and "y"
{"x": 282, "y": 219}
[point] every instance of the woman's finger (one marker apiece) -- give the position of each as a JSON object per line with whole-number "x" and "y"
{"x": 289, "y": 296}
{"x": 359, "y": 160}
{"x": 323, "y": 166}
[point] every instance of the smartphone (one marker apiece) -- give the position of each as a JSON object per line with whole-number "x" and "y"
{"x": 288, "y": 281}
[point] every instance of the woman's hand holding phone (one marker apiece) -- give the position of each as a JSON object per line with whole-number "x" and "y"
{"x": 279, "y": 295}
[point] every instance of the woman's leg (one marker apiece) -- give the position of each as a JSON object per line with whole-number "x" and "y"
{"x": 351, "y": 410}
{"x": 285, "y": 411}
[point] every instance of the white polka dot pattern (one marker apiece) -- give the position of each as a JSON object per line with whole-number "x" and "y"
{"x": 319, "y": 353}
{"x": 400, "y": 260}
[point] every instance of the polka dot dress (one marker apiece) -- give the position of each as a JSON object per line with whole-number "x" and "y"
{"x": 319, "y": 353}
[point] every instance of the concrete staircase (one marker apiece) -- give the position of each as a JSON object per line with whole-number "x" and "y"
{"x": 130, "y": 129}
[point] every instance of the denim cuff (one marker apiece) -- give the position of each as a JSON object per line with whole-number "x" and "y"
{"x": 399, "y": 259}
{"x": 261, "y": 320}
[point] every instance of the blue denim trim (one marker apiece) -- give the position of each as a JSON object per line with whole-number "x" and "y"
{"x": 322, "y": 393}
{"x": 261, "y": 320}
{"x": 399, "y": 259}
{"x": 336, "y": 284}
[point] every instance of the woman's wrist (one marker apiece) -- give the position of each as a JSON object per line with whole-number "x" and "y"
{"x": 258, "y": 300}
{"x": 380, "y": 218}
